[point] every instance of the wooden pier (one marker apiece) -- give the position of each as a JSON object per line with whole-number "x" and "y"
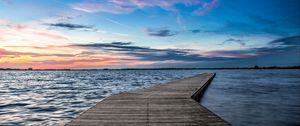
{"x": 170, "y": 104}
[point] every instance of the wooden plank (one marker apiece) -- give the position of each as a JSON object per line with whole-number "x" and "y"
{"x": 170, "y": 104}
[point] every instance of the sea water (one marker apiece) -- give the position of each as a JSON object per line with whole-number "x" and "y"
{"x": 255, "y": 97}
{"x": 55, "y": 97}
{"x": 241, "y": 97}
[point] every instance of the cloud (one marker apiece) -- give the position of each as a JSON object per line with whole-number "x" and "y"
{"x": 57, "y": 18}
{"x": 71, "y": 26}
{"x": 52, "y": 60}
{"x": 164, "y": 32}
{"x": 24, "y": 31}
{"x": 275, "y": 46}
{"x": 246, "y": 53}
{"x": 64, "y": 17}
{"x": 2, "y": 39}
{"x": 115, "y": 22}
{"x": 49, "y": 35}
{"x": 4, "y": 52}
{"x": 62, "y": 21}
{"x": 231, "y": 53}
{"x": 102, "y": 7}
{"x": 116, "y": 46}
{"x": 128, "y": 6}
{"x": 160, "y": 32}
{"x": 206, "y": 7}
{"x": 121, "y": 43}
{"x": 150, "y": 54}
{"x": 59, "y": 62}
{"x": 287, "y": 41}
{"x": 232, "y": 40}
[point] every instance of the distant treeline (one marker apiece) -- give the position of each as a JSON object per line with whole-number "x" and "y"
{"x": 222, "y": 68}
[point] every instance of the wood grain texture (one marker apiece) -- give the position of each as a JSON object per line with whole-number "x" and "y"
{"x": 170, "y": 104}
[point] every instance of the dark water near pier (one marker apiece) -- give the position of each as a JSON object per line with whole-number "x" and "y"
{"x": 242, "y": 97}
{"x": 256, "y": 97}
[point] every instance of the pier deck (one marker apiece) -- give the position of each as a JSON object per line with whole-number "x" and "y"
{"x": 170, "y": 104}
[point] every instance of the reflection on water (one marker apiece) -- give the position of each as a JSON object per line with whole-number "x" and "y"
{"x": 55, "y": 97}
{"x": 255, "y": 97}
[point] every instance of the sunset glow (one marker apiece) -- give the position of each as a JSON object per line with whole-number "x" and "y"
{"x": 55, "y": 34}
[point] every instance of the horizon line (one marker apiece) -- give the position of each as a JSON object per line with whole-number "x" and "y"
{"x": 166, "y": 68}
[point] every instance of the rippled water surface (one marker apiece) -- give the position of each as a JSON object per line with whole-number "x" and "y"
{"x": 241, "y": 97}
{"x": 55, "y": 97}
{"x": 255, "y": 97}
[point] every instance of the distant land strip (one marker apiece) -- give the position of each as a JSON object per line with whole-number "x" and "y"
{"x": 221, "y": 68}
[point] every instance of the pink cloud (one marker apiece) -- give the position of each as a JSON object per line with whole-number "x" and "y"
{"x": 128, "y": 6}
{"x": 4, "y": 53}
{"x": 2, "y": 39}
{"x": 15, "y": 59}
{"x": 162, "y": 3}
{"x": 207, "y": 7}
{"x": 50, "y": 35}
{"x": 18, "y": 30}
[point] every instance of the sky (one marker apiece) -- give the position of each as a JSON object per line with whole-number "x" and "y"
{"x": 89, "y": 34}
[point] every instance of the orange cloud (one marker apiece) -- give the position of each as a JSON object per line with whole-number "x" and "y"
{"x": 13, "y": 59}
{"x": 18, "y": 34}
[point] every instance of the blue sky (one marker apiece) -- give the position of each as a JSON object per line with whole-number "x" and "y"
{"x": 149, "y": 33}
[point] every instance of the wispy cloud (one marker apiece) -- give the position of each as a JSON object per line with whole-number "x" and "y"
{"x": 123, "y": 54}
{"x": 4, "y": 52}
{"x": 127, "y": 6}
{"x": 206, "y": 7}
{"x": 287, "y": 41}
{"x": 19, "y": 30}
{"x": 275, "y": 46}
{"x": 165, "y": 32}
{"x": 232, "y": 40}
{"x": 103, "y": 7}
{"x": 150, "y": 54}
{"x": 116, "y": 22}
{"x": 58, "y": 18}
{"x": 71, "y": 26}
{"x": 160, "y": 32}
{"x": 231, "y": 53}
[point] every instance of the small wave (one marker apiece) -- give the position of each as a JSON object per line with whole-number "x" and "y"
{"x": 65, "y": 82}
{"x": 13, "y": 105}
{"x": 43, "y": 109}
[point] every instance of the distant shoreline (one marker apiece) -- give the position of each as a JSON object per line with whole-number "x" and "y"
{"x": 225, "y": 68}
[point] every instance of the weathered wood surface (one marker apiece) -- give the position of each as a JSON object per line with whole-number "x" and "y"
{"x": 169, "y": 104}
